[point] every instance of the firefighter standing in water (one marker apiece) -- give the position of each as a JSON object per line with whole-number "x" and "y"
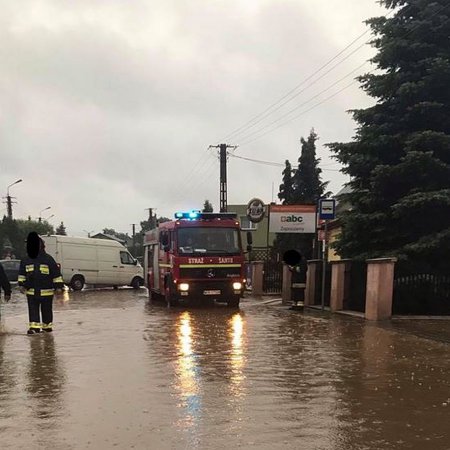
{"x": 39, "y": 278}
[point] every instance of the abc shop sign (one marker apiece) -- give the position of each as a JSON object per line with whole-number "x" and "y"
{"x": 292, "y": 219}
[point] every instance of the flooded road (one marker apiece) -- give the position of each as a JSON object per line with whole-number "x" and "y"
{"x": 121, "y": 373}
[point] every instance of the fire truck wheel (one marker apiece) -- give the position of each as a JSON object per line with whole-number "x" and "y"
{"x": 234, "y": 302}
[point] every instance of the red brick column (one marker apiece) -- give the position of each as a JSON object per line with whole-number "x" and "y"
{"x": 380, "y": 288}
{"x": 257, "y": 278}
{"x": 339, "y": 273}
{"x": 311, "y": 281}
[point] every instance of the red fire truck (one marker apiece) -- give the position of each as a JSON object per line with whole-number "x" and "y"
{"x": 197, "y": 255}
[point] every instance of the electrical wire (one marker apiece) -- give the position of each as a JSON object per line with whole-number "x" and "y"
{"x": 288, "y": 97}
{"x": 330, "y": 97}
{"x": 306, "y": 102}
{"x": 301, "y": 114}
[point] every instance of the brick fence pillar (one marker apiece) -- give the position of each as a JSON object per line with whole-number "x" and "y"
{"x": 257, "y": 278}
{"x": 380, "y": 288}
{"x": 340, "y": 271}
{"x": 311, "y": 275}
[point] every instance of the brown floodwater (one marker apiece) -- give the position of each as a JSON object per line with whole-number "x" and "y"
{"x": 119, "y": 372}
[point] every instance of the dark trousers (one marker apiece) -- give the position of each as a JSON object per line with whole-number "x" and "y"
{"x": 38, "y": 306}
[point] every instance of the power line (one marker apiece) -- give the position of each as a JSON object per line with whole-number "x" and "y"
{"x": 288, "y": 97}
{"x": 301, "y": 114}
{"x": 307, "y": 101}
{"x": 238, "y": 130}
{"x": 330, "y": 97}
{"x": 274, "y": 164}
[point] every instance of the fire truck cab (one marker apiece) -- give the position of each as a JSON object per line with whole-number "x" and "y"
{"x": 196, "y": 256}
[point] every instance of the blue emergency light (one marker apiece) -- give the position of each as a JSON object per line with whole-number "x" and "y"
{"x": 196, "y": 214}
{"x": 188, "y": 215}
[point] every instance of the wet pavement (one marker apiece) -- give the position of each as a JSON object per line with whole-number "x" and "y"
{"x": 122, "y": 373}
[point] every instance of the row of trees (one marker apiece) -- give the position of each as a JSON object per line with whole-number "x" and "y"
{"x": 13, "y": 234}
{"x": 399, "y": 160}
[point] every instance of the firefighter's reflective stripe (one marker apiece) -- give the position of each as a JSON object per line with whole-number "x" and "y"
{"x": 43, "y": 268}
{"x": 47, "y": 326}
{"x": 46, "y": 292}
{"x": 35, "y": 325}
{"x": 29, "y": 267}
{"x": 58, "y": 280}
{"x": 298, "y": 285}
{"x": 42, "y": 292}
{"x": 21, "y": 278}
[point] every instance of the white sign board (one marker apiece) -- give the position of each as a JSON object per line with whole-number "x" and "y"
{"x": 292, "y": 219}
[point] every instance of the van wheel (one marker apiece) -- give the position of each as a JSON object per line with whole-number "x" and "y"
{"x": 77, "y": 283}
{"x": 136, "y": 283}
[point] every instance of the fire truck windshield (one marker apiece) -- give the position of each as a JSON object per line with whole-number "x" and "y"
{"x": 208, "y": 241}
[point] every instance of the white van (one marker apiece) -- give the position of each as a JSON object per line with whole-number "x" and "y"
{"x": 98, "y": 262}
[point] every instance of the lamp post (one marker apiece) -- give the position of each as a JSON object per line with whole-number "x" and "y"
{"x": 42, "y": 210}
{"x": 49, "y": 217}
{"x": 9, "y": 199}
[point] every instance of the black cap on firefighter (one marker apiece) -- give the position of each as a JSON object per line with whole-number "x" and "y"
{"x": 34, "y": 245}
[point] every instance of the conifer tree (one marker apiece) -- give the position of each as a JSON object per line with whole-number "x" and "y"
{"x": 399, "y": 161}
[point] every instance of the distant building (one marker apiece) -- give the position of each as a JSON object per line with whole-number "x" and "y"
{"x": 335, "y": 226}
{"x": 259, "y": 230}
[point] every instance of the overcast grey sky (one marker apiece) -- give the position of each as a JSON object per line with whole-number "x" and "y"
{"x": 108, "y": 106}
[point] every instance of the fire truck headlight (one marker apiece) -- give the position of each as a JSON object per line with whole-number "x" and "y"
{"x": 237, "y": 286}
{"x": 184, "y": 287}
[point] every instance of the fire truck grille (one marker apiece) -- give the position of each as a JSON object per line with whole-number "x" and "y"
{"x": 210, "y": 272}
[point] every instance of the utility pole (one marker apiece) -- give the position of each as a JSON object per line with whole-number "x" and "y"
{"x": 223, "y": 156}
{"x": 9, "y": 200}
{"x": 134, "y": 239}
{"x": 150, "y": 217}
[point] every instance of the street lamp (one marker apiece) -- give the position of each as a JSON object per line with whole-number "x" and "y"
{"x": 48, "y": 218}
{"x": 15, "y": 182}
{"x": 42, "y": 210}
{"x": 9, "y": 199}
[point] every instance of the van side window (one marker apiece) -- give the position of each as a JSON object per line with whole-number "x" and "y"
{"x": 125, "y": 258}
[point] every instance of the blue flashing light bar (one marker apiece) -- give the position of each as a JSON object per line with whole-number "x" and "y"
{"x": 194, "y": 214}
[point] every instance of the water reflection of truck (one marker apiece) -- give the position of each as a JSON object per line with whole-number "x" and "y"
{"x": 195, "y": 256}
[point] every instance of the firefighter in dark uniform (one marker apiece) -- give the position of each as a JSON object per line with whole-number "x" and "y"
{"x": 298, "y": 280}
{"x": 39, "y": 277}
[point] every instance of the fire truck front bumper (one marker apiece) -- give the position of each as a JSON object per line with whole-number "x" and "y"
{"x": 218, "y": 290}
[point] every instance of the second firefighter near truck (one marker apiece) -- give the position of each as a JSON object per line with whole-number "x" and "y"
{"x": 197, "y": 256}
{"x": 39, "y": 278}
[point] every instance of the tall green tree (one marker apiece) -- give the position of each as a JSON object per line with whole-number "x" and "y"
{"x": 308, "y": 184}
{"x": 399, "y": 161}
{"x": 302, "y": 186}
{"x": 286, "y": 193}
{"x": 208, "y": 207}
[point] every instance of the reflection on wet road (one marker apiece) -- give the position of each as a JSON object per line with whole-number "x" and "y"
{"x": 122, "y": 373}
